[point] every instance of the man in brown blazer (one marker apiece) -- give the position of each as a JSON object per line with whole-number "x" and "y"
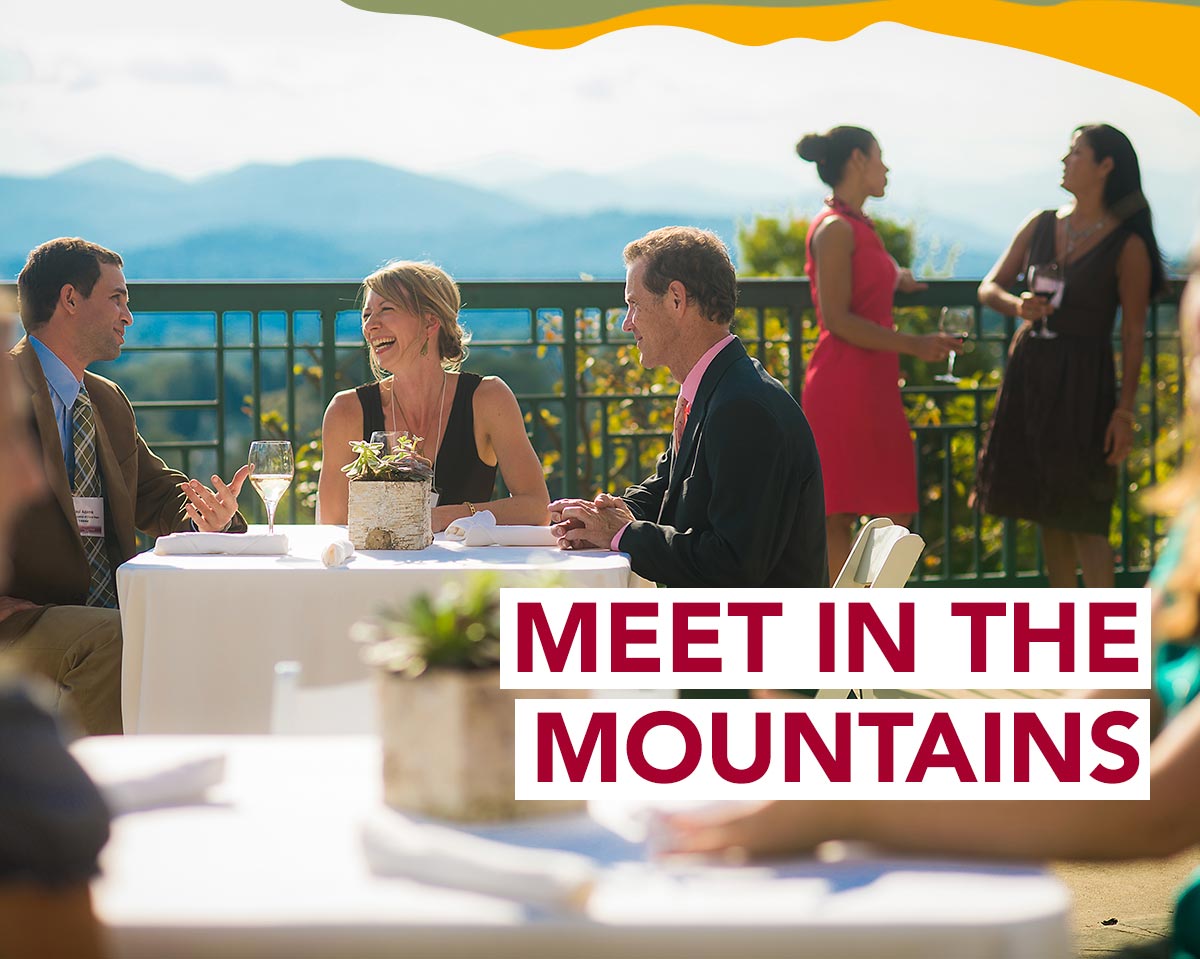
{"x": 104, "y": 481}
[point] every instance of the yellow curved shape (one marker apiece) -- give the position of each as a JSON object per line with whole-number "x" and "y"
{"x": 1152, "y": 44}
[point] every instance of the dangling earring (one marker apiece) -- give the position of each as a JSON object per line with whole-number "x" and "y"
{"x": 425, "y": 347}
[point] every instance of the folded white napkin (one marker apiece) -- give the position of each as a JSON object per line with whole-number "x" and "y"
{"x": 550, "y": 878}
{"x": 231, "y": 544}
{"x": 153, "y": 787}
{"x": 338, "y": 553}
{"x": 482, "y": 530}
{"x": 462, "y": 527}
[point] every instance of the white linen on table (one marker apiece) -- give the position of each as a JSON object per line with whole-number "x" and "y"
{"x": 226, "y": 544}
{"x": 202, "y": 634}
{"x": 481, "y": 529}
{"x": 275, "y": 868}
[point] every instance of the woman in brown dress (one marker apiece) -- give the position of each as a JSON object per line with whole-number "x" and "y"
{"x": 1062, "y": 425}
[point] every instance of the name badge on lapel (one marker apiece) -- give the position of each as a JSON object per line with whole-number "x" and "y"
{"x": 89, "y": 515}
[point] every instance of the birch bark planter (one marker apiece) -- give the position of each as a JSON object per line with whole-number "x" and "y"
{"x": 448, "y": 745}
{"x": 390, "y": 515}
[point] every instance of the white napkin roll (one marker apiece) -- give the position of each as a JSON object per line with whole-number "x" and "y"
{"x": 186, "y": 781}
{"x": 523, "y": 536}
{"x": 229, "y": 544}
{"x": 338, "y": 553}
{"x": 482, "y": 530}
{"x": 550, "y": 878}
{"x": 462, "y": 527}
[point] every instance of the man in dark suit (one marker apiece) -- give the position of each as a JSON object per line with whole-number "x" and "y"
{"x": 736, "y": 499}
{"x": 59, "y": 615}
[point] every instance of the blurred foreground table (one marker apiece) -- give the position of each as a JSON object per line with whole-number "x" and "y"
{"x": 272, "y": 865}
{"x": 202, "y": 633}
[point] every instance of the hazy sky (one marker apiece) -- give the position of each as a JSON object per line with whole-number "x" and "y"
{"x": 199, "y": 88}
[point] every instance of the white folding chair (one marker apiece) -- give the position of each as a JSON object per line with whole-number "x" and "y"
{"x": 883, "y": 556}
{"x": 341, "y": 709}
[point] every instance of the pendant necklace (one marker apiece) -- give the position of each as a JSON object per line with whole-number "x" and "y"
{"x": 397, "y": 408}
{"x": 1074, "y": 239}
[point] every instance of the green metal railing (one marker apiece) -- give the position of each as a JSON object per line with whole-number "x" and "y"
{"x": 211, "y": 365}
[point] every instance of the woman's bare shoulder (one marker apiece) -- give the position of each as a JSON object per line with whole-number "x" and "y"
{"x": 343, "y": 407}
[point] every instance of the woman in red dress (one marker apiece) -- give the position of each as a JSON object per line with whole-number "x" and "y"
{"x": 851, "y": 390}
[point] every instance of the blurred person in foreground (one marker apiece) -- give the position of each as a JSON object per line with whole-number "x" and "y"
{"x": 736, "y": 499}
{"x": 52, "y": 820}
{"x": 1061, "y": 425}
{"x": 470, "y": 424}
{"x": 59, "y": 610}
{"x": 1097, "y": 830}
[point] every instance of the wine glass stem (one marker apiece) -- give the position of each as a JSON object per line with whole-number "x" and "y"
{"x": 950, "y": 367}
{"x": 271, "y": 519}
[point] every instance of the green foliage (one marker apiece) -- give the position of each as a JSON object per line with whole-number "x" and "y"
{"x": 770, "y": 246}
{"x": 458, "y": 628}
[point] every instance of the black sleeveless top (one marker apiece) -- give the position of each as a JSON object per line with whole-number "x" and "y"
{"x": 460, "y": 476}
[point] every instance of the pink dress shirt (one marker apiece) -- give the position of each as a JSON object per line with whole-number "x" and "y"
{"x": 691, "y": 383}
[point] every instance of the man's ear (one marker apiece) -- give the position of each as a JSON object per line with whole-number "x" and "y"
{"x": 677, "y": 296}
{"x": 68, "y": 297}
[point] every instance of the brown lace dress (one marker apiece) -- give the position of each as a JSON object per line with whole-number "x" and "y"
{"x": 1043, "y": 459}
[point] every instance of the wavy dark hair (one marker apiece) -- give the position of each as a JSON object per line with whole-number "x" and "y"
{"x": 1123, "y": 196}
{"x": 697, "y": 259}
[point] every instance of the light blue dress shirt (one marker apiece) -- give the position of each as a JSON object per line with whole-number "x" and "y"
{"x": 64, "y": 390}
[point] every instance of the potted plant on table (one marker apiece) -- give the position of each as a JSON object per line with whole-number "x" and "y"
{"x": 446, "y": 725}
{"x": 391, "y": 496}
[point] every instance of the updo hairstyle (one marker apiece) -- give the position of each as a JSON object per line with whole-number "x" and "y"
{"x": 831, "y": 151}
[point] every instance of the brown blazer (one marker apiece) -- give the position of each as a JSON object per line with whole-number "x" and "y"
{"x": 140, "y": 491}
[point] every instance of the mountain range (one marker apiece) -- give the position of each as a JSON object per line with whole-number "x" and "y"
{"x": 341, "y": 218}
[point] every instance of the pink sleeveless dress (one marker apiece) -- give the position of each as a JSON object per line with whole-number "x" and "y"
{"x": 852, "y": 396}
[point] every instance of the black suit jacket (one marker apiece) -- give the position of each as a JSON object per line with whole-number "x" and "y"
{"x": 742, "y": 504}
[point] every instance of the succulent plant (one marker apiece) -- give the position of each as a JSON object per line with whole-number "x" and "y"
{"x": 402, "y": 465}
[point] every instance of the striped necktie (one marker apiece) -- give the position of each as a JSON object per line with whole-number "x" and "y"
{"x": 87, "y": 483}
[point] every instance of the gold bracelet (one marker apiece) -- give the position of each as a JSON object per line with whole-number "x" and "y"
{"x": 471, "y": 507}
{"x": 1127, "y": 415}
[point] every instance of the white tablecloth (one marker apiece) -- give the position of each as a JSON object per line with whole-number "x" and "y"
{"x": 274, "y": 867}
{"x": 203, "y": 633}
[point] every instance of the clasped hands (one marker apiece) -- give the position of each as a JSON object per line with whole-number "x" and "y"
{"x": 212, "y": 510}
{"x": 588, "y": 524}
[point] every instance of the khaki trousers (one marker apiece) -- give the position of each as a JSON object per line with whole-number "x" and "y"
{"x": 79, "y": 649}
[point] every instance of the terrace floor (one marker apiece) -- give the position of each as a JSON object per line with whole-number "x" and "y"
{"x": 1139, "y": 895}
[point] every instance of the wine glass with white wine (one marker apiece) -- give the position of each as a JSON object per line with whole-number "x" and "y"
{"x": 271, "y": 470}
{"x": 956, "y": 321}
